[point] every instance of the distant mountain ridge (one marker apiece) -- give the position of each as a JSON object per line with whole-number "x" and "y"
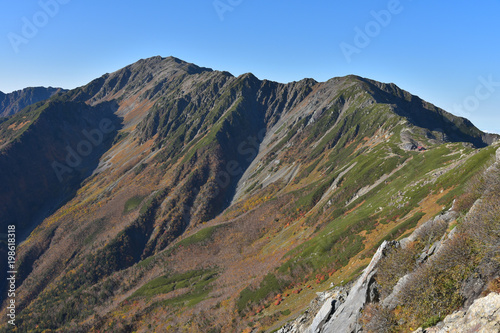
{"x": 15, "y": 101}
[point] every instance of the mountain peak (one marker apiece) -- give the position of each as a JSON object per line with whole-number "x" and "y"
{"x": 168, "y": 63}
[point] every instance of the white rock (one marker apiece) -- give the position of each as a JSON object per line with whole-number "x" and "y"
{"x": 345, "y": 318}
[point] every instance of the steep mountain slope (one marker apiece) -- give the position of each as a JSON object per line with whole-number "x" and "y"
{"x": 43, "y": 158}
{"x": 219, "y": 195}
{"x": 448, "y": 263}
{"x": 17, "y": 100}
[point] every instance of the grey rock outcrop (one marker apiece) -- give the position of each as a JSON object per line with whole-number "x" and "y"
{"x": 446, "y": 217}
{"x": 392, "y": 300}
{"x": 409, "y": 146}
{"x": 321, "y": 307}
{"x": 323, "y": 315}
{"x": 345, "y": 317}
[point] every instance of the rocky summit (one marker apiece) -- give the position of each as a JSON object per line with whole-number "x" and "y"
{"x": 168, "y": 197}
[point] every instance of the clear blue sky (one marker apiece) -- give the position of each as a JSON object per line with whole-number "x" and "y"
{"x": 442, "y": 51}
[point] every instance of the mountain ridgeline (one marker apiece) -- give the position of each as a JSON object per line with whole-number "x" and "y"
{"x": 167, "y": 189}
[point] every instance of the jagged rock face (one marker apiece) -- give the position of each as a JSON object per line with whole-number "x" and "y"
{"x": 16, "y": 101}
{"x": 483, "y": 316}
{"x": 318, "y": 312}
{"x": 345, "y": 317}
